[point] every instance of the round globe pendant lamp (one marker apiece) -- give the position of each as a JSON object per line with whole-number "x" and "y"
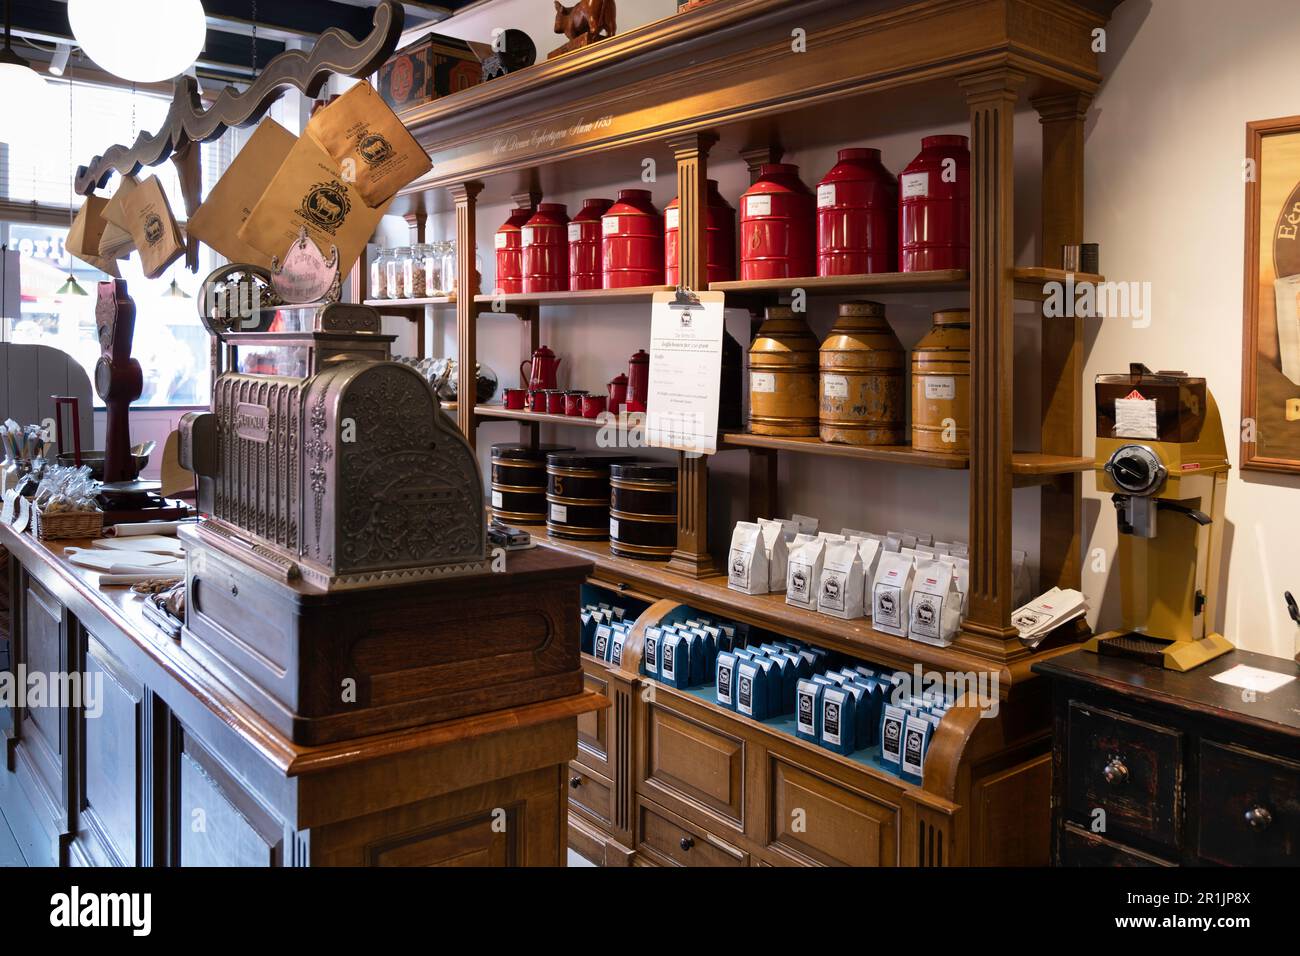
{"x": 144, "y": 41}
{"x": 24, "y": 95}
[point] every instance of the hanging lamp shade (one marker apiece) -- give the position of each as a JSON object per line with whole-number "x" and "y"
{"x": 25, "y": 99}
{"x": 71, "y": 287}
{"x": 174, "y": 291}
{"x": 140, "y": 40}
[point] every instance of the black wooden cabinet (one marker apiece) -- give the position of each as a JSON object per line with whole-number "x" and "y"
{"x": 1157, "y": 768}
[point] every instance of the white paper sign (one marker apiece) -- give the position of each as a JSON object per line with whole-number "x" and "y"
{"x": 758, "y": 205}
{"x": 672, "y": 217}
{"x": 914, "y": 184}
{"x": 500, "y": 240}
{"x": 825, "y": 195}
{"x": 1253, "y": 678}
{"x": 685, "y": 373}
{"x": 575, "y": 232}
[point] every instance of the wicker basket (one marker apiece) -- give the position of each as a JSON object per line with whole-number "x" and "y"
{"x": 67, "y": 524}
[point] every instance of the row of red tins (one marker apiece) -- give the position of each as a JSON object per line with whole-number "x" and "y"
{"x": 859, "y": 220}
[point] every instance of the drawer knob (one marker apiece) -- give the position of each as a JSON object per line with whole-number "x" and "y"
{"x": 1258, "y": 817}
{"x": 1115, "y": 772}
{"x": 687, "y": 842}
{"x": 575, "y": 782}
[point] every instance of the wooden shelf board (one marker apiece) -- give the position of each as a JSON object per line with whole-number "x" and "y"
{"x": 1026, "y": 464}
{"x": 711, "y": 595}
{"x": 942, "y": 280}
{"x": 509, "y": 414}
{"x": 410, "y": 303}
{"x": 1029, "y": 281}
{"x": 634, "y": 294}
{"x": 895, "y": 454}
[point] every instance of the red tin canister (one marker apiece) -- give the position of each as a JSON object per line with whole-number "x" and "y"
{"x": 510, "y": 250}
{"x": 720, "y": 228}
{"x": 632, "y": 240}
{"x": 778, "y": 225}
{"x": 934, "y": 206}
{"x": 857, "y": 213}
{"x": 546, "y": 249}
{"x": 585, "y": 270}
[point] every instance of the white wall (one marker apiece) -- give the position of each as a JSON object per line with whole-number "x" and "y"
{"x": 1165, "y": 200}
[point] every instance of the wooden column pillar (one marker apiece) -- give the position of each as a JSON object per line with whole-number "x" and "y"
{"x": 1063, "y": 393}
{"x": 465, "y": 196}
{"x": 415, "y": 222}
{"x": 691, "y": 151}
{"x": 992, "y": 100}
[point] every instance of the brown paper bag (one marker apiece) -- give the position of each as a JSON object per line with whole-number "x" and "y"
{"x": 116, "y": 243}
{"x": 87, "y": 228}
{"x": 153, "y": 227}
{"x": 309, "y": 191}
{"x": 371, "y": 145}
{"x": 218, "y": 219}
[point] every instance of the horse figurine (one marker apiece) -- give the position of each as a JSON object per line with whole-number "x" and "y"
{"x": 590, "y": 19}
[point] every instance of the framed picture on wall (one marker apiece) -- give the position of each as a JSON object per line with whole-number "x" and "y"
{"x": 1270, "y": 381}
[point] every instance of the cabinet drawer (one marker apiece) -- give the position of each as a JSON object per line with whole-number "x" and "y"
{"x": 1081, "y": 848}
{"x": 1248, "y": 807}
{"x": 823, "y": 822}
{"x": 590, "y": 793}
{"x": 1130, "y": 769}
{"x": 593, "y": 726}
{"x": 696, "y": 763}
{"x": 674, "y": 842}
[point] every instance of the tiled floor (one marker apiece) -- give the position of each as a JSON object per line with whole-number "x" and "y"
{"x": 576, "y": 860}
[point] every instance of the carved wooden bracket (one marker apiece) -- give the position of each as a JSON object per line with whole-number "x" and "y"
{"x": 188, "y": 122}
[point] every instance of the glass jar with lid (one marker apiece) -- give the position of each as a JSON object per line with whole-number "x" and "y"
{"x": 379, "y": 274}
{"x": 395, "y": 271}
{"x": 414, "y": 276}
{"x": 449, "y": 267}
{"x": 433, "y": 270}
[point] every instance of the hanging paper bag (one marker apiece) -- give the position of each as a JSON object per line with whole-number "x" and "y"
{"x": 87, "y": 229}
{"x": 363, "y": 135}
{"x": 153, "y": 227}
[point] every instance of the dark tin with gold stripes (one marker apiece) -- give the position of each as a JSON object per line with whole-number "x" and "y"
{"x": 519, "y": 481}
{"x": 643, "y": 510}
{"x": 577, "y": 493}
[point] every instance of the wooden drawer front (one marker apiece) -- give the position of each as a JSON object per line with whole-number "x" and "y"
{"x": 593, "y": 726}
{"x": 1248, "y": 807}
{"x": 675, "y": 842}
{"x": 590, "y": 793}
{"x": 221, "y": 824}
{"x": 111, "y": 796}
{"x": 1081, "y": 848}
{"x": 822, "y": 822}
{"x": 697, "y": 763}
{"x": 1131, "y": 769}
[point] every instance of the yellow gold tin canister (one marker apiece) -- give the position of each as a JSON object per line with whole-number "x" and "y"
{"x": 863, "y": 378}
{"x": 783, "y": 376}
{"x": 941, "y": 385}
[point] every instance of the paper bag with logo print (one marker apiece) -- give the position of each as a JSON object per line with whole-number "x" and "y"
{"x": 117, "y": 241}
{"x": 370, "y": 144}
{"x": 232, "y": 199}
{"x": 309, "y": 191}
{"x": 150, "y": 221}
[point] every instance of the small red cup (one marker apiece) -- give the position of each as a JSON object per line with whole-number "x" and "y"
{"x": 555, "y": 401}
{"x": 515, "y": 398}
{"x": 573, "y": 402}
{"x": 592, "y": 405}
{"x": 537, "y": 400}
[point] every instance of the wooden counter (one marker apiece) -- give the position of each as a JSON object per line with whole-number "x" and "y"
{"x": 167, "y": 766}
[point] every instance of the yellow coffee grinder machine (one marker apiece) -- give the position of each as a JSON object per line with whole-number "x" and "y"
{"x": 1161, "y": 454}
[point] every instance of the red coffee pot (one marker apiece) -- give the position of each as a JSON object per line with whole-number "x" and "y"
{"x": 638, "y": 380}
{"x": 544, "y": 369}
{"x": 617, "y": 393}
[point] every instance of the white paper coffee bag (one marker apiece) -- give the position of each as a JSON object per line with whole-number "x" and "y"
{"x": 891, "y": 593}
{"x": 747, "y": 562}
{"x": 935, "y": 606}
{"x": 777, "y": 551}
{"x": 870, "y": 551}
{"x": 804, "y": 572}
{"x": 840, "y": 593}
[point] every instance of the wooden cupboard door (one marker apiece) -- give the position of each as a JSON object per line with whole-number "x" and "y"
{"x": 112, "y": 726}
{"x": 696, "y": 764}
{"x": 43, "y": 730}
{"x": 1248, "y": 807}
{"x": 816, "y": 820}
{"x": 220, "y": 823}
{"x": 593, "y": 726}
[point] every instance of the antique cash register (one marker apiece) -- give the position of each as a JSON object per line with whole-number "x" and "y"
{"x": 340, "y": 581}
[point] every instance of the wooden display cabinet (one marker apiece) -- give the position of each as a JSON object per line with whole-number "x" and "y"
{"x": 724, "y": 79}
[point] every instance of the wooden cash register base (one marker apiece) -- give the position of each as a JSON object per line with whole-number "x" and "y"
{"x": 177, "y": 770}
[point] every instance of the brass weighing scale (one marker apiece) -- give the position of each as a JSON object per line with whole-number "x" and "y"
{"x": 1161, "y": 453}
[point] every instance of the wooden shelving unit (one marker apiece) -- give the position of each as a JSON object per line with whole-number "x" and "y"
{"x": 709, "y": 82}
{"x": 406, "y": 304}
{"x": 538, "y": 418}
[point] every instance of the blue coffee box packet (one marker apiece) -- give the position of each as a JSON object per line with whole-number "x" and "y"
{"x": 837, "y": 720}
{"x": 861, "y": 714}
{"x": 781, "y": 674}
{"x": 616, "y": 645}
{"x": 675, "y": 660}
{"x": 745, "y": 652}
{"x": 588, "y": 619}
{"x": 725, "y": 680}
{"x": 693, "y": 648}
{"x": 727, "y": 641}
{"x": 752, "y": 689}
{"x": 807, "y": 710}
{"x": 824, "y": 680}
{"x": 892, "y": 719}
{"x": 650, "y": 651}
{"x": 916, "y": 740}
{"x": 708, "y": 652}
{"x": 600, "y": 647}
